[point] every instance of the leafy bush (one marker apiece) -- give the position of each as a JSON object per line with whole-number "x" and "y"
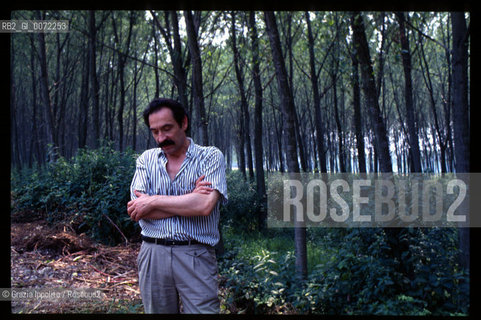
{"x": 351, "y": 271}
{"x": 258, "y": 271}
{"x": 355, "y": 275}
{"x": 243, "y": 205}
{"x": 363, "y": 278}
{"x": 89, "y": 191}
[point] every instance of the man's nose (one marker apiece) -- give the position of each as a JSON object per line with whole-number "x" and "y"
{"x": 160, "y": 137}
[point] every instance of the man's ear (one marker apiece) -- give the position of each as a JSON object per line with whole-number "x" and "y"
{"x": 185, "y": 123}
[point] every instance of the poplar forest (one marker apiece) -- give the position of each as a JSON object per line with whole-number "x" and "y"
{"x": 275, "y": 91}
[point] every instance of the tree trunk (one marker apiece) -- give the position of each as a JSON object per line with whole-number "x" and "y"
{"x": 94, "y": 80}
{"x": 45, "y": 96}
{"x": 241, "y": 150}
{"x": 179, "y": 69}
{"x": 84, "y": 106}
{"x": 34, "y": 142}
{"x": 408, "y": 93}
{"x": 172, "y": 31}
{"x": 317, "y": 99}
{"x": 134, "y": 105}
{"x": 342, "y": 164}
{"x": 368, "y": 84}
{"x": 356, "y": 96}
{"x": 394, "y": 236}
{"x": 300, "y": 141}
{"x": 56, "y": 92}
{"x": 14, "y": 147}
{"x": 288, "y": 109}
{"x": 197, "y": 90}
{"x": 448, "y": 104}
{"x": 260, "y": 182}
{"x": 122, "y": 58}
{"x": 461, "y": 114}
{"x": 278, "y": 132}
{"x": 243, "y": 101}
{"x": 460, "y": 92}
{"x": 156, "y": 61}
{"x": 334, "y": 75}
{"x": 432, "y": 103}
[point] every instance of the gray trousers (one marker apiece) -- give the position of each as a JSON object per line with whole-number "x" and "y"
{"x": 169, "y": 272}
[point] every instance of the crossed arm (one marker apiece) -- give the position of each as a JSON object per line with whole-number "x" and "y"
{"x": 200, "y": 202}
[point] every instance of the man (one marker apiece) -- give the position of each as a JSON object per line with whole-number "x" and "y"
{"x": 178, "y": 213}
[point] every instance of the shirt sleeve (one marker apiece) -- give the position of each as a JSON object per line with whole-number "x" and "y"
{"x": 140, "y": 181}
{"x": 214, "y": 170}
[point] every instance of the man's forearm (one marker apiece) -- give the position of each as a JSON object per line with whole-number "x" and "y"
{"x": 187, "y": 205}
{"x": 161, "y": 207}
{"x": 156, "y": 214}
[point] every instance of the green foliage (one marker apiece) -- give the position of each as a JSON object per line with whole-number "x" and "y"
{"x": 351, "y": 271}
{"x": 243, "y": 206}
{"x": 258, "y": 271}
{"x": 355, "y": 275}
{"x": 89, "y": 191}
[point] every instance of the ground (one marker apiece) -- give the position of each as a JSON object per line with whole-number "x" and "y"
{"x": 51, "y": 257}
{"x": 56, "y": 257}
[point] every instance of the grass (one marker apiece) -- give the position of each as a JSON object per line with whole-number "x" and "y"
{"x": 258, "y": 270}
{"x": 277, "y": 243}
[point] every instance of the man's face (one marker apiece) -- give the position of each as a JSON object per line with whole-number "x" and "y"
{"x": 167, "y": 132}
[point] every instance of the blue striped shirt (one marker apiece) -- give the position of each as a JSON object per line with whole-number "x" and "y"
{"x": 151, "y": 177}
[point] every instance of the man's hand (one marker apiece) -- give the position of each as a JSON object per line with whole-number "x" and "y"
{"x": 202, "y": 186}
{"x": 139, "y": 207}
{"x": 144, "y": 205}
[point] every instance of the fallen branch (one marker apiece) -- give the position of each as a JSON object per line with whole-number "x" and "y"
{"x": 103, "y": 273}
{"x": 116, "y": 227}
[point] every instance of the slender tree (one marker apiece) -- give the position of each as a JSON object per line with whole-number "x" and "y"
{"x": 288, "y": 110}
{"x": 461, "y": 113}
{"x": 316, "y": 97}
{"x": 408, "y": 93}
{"x": 122, "y": 60}
{"x": 35, "y": 149}
{"x": 260, "y": 182}
{"x": 156, "y": 58}
{"x": 178, "y": 61}
{"x": 394, "y": 236}
{"x": 171, "y": 36}
{"x": 244, "y": 119}
{"x": 45, "y": 96}
{"x": 14, "y": 147}
{"x": 197, "y": 90}
{"x": 95, "y": 90}
{"x": 84, "y": 106}
{"x": 369, "y": 88}
{"x": 356, "y": 101}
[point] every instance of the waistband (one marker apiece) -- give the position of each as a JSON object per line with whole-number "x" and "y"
{"x": 169, "y": 242}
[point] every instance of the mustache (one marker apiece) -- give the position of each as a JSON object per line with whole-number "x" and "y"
{"x": 166, "y": 143}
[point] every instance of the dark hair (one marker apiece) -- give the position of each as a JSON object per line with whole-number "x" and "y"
{"x": 177, "y": 110}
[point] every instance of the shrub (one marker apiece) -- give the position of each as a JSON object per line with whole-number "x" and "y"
{"x": 351, "y": 270}
{"x": 243, "y": 206}
{"x": 258, "y": 271}
{"x": 89, "y": 191}
{"x": 363, "y": 278}
{"x": 355, "y": 274}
